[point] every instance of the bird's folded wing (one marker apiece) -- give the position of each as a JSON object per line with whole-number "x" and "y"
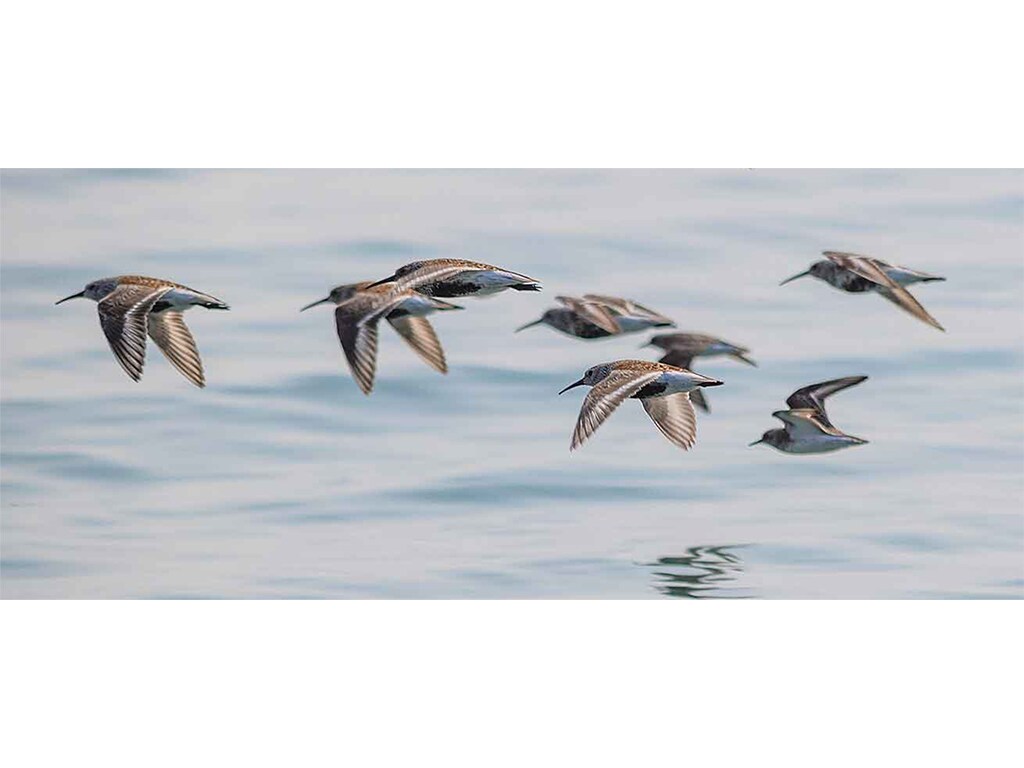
{"x": 605, "y": 397}
{"x": 419, "y": 334}
{"x": 674, "y": 416}
{"x": 123, "y": 319}
{"x": 170, "y": 333}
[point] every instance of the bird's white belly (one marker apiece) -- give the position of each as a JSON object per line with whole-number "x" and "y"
{"x": 818, "y": 444}
{"x": 418, "y": 305}
{"x": 679, "y": 382}
{"x": 179, "y": 299}
{"x": 488, "y": 281}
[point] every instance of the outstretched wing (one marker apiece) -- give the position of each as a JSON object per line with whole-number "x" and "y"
{"x": 419, "y": 334}
{"x": 813, "y": 396}
{"x": 605, "y": 397}
{"x": 170, "y": 333}
{"x": 593, "y": 312}
{"x": 674, "y": 416}
{"x": 628, "y": 307}
{"x": 356, "y": 321}
{"x": 871, "y": 269}
{"x": 123, "y": 319}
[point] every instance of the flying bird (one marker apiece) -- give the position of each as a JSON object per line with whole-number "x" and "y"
{"x": 449, "y": 278}
{"x": 132, "y": 306}
{"x": 663, "y": 390}
{"x": 359, "y": 308}
{"x": 808, "y": 429}
{"x": 853, "y": 273}
{"x": 681, "y": 348}
{"x": 598, "y": 317}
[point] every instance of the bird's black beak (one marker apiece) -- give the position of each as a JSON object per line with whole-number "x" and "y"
{"x": 756, "y": 442}
{"x": 579, "y": 383}
{"x": 529, "y": 325}
{"x": 315, "y": 303}
{"x": 78, "y": 295}
{"x": 381, "y": 282}
{"x": 794, "y": 277}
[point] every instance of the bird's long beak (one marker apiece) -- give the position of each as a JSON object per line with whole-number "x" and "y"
{"x": 78, "y": 295}
{"x": 381, "y": 282}
{"x": 529, "y": 325}
{"x": 755, "y": 442}
{"x": 315, "y": 303}
{"x": 794, "y": 277}
{"x": 574, "y": 384}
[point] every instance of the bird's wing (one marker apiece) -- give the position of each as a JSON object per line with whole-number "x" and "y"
{"x": 605, "y": 397}
{"x": 593, "y": 312}
{"x": 419, "y": 334}
{"x": 813, "y": 396}
{"x": 698, "y": 399}
{"x": 674, "y": 416}
{"x": 430, "y": 274}
{"x": 804, "y": 422}
{"x": 123, "y": 319}
{"x": 622, "y": 306}
{"x": 680, "y": 358}
{"x": 904, "y": 300}
{"x": 356, "y": 321}
{"x": 872, "y": 269}
{"x": 170, "y": 333}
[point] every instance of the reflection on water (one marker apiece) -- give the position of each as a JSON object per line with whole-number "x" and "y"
{"x": 701, "y": 572}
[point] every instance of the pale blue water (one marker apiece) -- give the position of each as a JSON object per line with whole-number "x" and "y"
{"x": 282, "y": 480}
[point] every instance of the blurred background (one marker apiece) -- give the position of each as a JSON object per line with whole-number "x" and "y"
{"x": 281, "y": 479}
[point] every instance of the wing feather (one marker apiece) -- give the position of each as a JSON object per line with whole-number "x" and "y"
{"x": 123, "y": 319}
{"x": 593, "y": 312}
{"x": 174, "y": 339}
{"x": 605, "y": 397}
{"x": 419, "y": 334}
{"x": 675, "y": 417}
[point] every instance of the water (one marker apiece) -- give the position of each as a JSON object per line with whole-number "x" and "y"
{"x": 282, "y": 480}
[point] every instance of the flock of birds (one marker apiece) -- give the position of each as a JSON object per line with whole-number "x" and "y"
{"x": 133, "y": 307}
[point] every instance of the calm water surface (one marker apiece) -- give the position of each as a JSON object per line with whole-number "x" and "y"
{"x": 281, "y": 479}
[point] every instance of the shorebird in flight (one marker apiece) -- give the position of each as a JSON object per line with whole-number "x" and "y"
{"x": 449, "y": 278}
{"x": 681, "y": 348}
{"x": 597, "y": 317}
{"x": 853, "y": 273}
{"x": 360, "y": 306}
{"x": 132, "y": 306}
{"x": 808, "y": 429}
{"x": 663, "y": 390}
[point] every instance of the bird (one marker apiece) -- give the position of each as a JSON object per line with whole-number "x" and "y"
{"x": 681, "y": 348}
{"x": 808, "y": 429}
{"x": 854, "y": 273}
{"x": 132, "y": 306}
{"x": 360, "y": 306}
{"x": 451, "y": 278}
{"x": 663, "y": 390}
{"x": 597, "y": 317}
